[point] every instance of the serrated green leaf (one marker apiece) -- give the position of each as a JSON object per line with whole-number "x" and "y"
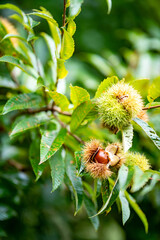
{"x": 71, "y": 29}
{"x": 61, "y": 69}
{"x": 91, "y": 210}
{"x": 79, "y": 162}
{"x": 150, "y": 186}
{"x": 29, "y": 123}
{"x": 16, "y": 62}
{"x": 57, "y": 166}
{"x": 105, "y": 84}
{"x": 78, "y": 95}
{"x": 105, "y": 190}
{"x": 51, "y": 141}
{"x": 23, "y": 101}
{"x": 67, "y": 48}
{"x": 76, "y": 183}
{"x": 109, "y": 4}
{"x": 140, "y": 178}
{"x": 79, "y": 114}
{"x": 154, "y": 90}
{"x": 75, "y": 6}
{"x": 149, "y": 131}
{"x": 111, "y": 199}
{"x": 34, "y": 157}
{"x": 125, "y": 207}
{"x": 127, "y": 137}
{"x": 59, "y": 99}
{"x": 137, "y": 209}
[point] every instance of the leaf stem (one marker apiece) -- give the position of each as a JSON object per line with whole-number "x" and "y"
{"x": 69, "y": 132}
{"x": 147, "y": 108}
{"x": 64, "y": 15}
{"x": 45, "y": 109}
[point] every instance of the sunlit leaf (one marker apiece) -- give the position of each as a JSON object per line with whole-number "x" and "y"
{"x": 149, "y": 131}
{"x": 71, "y": 27}
{"x": 61, "y": 69}
{"x": 78, "y": 95}
{"x": 59, "y": 99}
{"x": 127, "y": 137}
{"x": 67, "y": 48}
{"x": 79, "y": 114}
{"x": 105, "y": 84}
{"x": 154, "y": 90}
{"x": 23, "y": 101}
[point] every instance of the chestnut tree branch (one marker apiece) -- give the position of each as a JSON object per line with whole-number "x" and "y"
{"x": 147, "y": 108}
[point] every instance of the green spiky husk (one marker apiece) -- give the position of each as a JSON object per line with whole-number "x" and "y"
{"x": 136, "y": 159}
{"x": 112, "y": 113}
{"x": 118, "y": 105}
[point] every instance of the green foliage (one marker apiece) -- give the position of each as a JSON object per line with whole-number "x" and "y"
{"x": 23, "y": 101}
{"x": 50, "y": 131}
{"x": 105, "y": 84}
{"x": 79, "y": 114}
{"x": 57, "y": 165}
{"x": 51, "y": 141}
{"x": 127, "y": 136}
{"x": 29, "y": 123}
{"x": 78, "y": 95}
{"x": 149, "y": 131}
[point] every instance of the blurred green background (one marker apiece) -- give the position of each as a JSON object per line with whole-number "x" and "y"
{"x": 125, "y": 43}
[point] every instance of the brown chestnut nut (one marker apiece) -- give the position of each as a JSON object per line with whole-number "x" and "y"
{"x": 101, "y": 157}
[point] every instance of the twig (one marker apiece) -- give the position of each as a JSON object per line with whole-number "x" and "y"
{"x": 69, "y": 132}
{"x": 46, "y": 109}
{"x": 63, "y": 25}
{"x": 64, "y": 14}
{"x": 147, "y": 108}
{"x": 18, "y": 166}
